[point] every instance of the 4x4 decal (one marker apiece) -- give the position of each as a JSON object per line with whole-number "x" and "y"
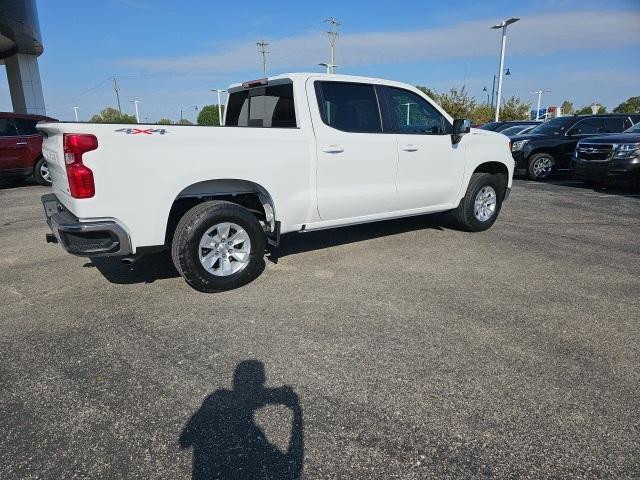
{"x": 144, "y": 131}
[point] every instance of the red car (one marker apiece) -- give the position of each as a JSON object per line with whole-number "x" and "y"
{"x": 21, "y": 147}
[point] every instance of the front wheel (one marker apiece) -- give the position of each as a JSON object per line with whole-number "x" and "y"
{"x": 540, "y": 166}
{"x": 479, "y": 208}
{"x": 41, "y": 172}
{"x": 218, "y": 246}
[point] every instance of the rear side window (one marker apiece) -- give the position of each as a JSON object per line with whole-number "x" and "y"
{"x": 26, "y": 127}
{"x": 350, "y": 107}
{"x": 613, "y": 124}
{"x": 6, "y": 128}
{"x": 263, "y": 107}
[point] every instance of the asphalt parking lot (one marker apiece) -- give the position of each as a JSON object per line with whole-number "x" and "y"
{"x": 412, "y": 351}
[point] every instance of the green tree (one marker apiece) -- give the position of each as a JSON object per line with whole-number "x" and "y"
{"x": 457, "y": 103}
{"x": 164, "y": 121}
{"x": 631, "y": 105}
{"x": 567, "y": 107}
{"x": 515, "y": 109}
{"x": 586, "y": 110}
{"x": 483, "y": 113}
{"x": 112, "y": 115}
{"x": 602, "y": 109}
{"x": 430, "y": 93}
{"x": 209, "y": 115}
{"x": 184, "y": 121}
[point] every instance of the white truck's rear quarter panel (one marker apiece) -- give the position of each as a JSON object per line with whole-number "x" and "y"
{"x": 138, "y": 176}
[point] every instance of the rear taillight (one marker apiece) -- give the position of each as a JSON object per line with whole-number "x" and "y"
{"x": 80, "y": 176}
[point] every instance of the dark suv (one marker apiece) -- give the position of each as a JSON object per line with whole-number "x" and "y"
{"x": 550, "y": 146}
{"x": 21, "y": 147}
{"x": 609, "y": 159}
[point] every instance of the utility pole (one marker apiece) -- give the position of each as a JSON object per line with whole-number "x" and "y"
{"x": 135, "y": 104}
{"x": 116, "y": 88}
{"x": 219, "y": 90}
{"x": 502, "y": 25}
{"x": 262, "y": 49}
{"x": 539, "y": 93}
{"x": 333, "y": 38}
{"x": 75, "y": 111}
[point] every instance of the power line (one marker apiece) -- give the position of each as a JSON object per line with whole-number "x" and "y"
{"x": 262, "y": 49}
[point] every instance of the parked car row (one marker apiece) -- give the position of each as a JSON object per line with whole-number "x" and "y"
{"x": 21, "y": 148}
{"x": 593, "y": 147}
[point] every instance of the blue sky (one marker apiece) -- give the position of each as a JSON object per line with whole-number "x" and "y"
{"x": 169, "y": 54}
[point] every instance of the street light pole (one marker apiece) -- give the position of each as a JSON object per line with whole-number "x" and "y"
{"x": 219, "y": 90}
{"x": 75, "y": 110}
{"x": 408, "y": 105}
{"x": 135, "y": 104}
{"x": 330, "y": 67}
{"x": 503, "y": 25}
{"x": 539, "y": 93}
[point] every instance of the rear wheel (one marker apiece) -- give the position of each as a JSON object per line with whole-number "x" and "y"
{"x": 218, "y": 246}
{"x": 540, "y": 166}
{"x": 479, "y": 208}
{"x": 41, "y": 172}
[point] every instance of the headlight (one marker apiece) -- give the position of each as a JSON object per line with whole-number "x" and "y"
{"x": 519, "y": 145}
{"x": 626, "y": 150}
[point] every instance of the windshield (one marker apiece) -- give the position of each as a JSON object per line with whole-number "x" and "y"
{"x": 490, "y": 125}
{"x": 516, "y": 130}
{"x": 634, "y": 128}
{"x": 553, "y": 127}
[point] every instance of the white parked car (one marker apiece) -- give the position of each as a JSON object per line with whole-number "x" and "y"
{"x": 299, "y": 152}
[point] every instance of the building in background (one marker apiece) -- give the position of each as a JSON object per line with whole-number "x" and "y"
{"x": 20, "y": 46}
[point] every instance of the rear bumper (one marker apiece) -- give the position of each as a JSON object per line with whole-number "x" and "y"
{"x": 87, "y": 239}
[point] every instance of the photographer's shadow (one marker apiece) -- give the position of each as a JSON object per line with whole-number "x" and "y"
{"x": 227, "y": 443}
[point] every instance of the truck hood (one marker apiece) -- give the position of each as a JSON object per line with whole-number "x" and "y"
{"x": 613, "y": 138}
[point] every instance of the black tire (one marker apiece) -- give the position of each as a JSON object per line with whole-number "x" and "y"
{"x": 464, "y": 216}
{"x": 185, "y": 250}
{"x": 535, "y": 171}
{"x": 38, "y": 173}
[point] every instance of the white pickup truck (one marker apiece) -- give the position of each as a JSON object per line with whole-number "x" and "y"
{"x": 298, "y": 152}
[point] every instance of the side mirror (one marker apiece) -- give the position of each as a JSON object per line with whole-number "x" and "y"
{"x": 460, "y": 127}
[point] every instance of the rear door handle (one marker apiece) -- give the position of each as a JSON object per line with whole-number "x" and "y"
{"x": 333, "y": 149}
{"x": 21, "y": 143}
{"x": 410, "y": 148}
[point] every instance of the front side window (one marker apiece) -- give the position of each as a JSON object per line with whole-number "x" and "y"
{"x": 262, "y": 107}
{"x": 588, "y": 126}
{"x": 6, "y": 128}
{"x": 350, "y": 107}
{"x": 412, "y": 114}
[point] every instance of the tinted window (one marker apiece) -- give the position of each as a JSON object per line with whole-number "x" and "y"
{"x": 262, "y": 107}
{"x": 588, "y": 126}
{"x": 413, "y": 114}
{"x": 554, "y": 127}
{"x": 6, "y": 128}
{"x": 490, "y": 126}
{"x": 613, "y": 124}
{"x": 26, "y": 127}
{"x": 350, "y": 107}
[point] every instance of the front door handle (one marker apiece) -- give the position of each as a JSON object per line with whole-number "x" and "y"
{"x": 410, "y": 148}
{"x": 333, "y": 149}
{"x": 21, "y": 143}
